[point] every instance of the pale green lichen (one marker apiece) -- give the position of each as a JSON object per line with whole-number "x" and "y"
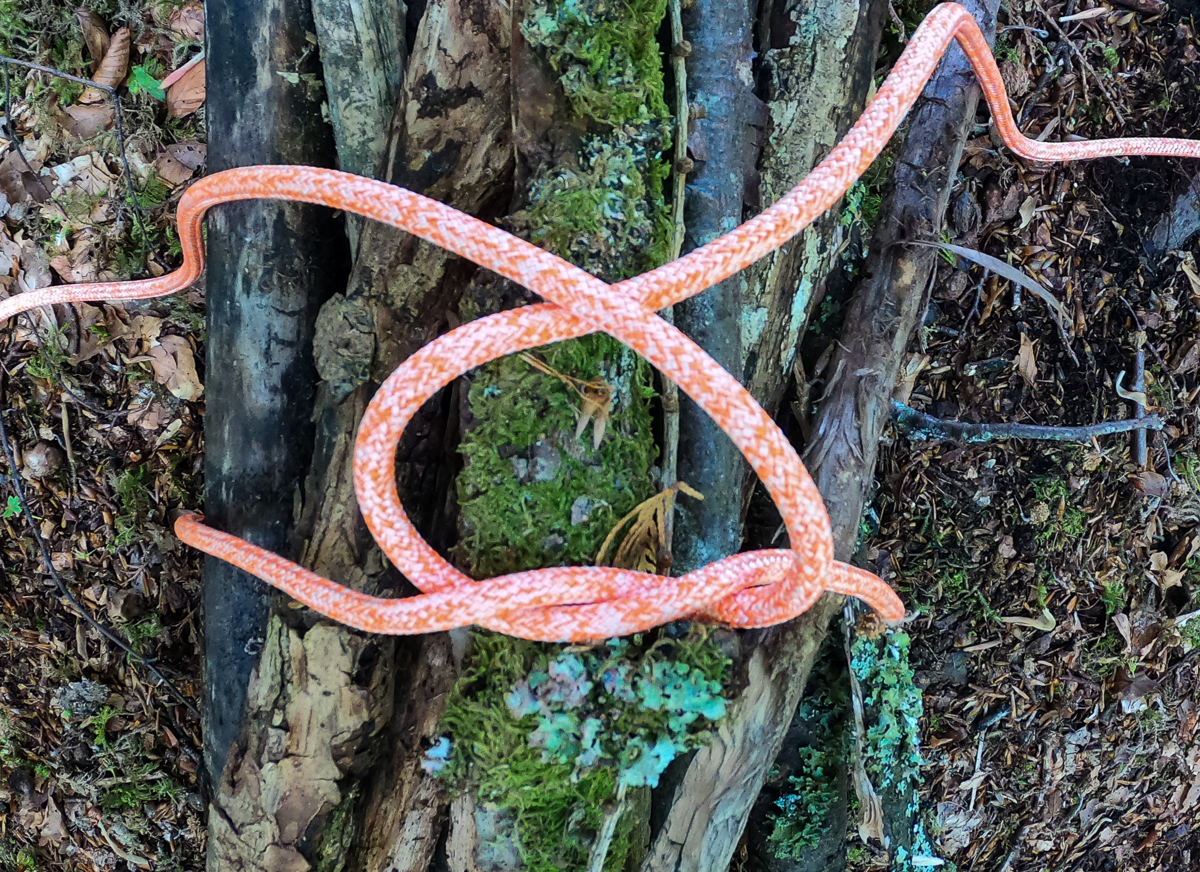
{"x": 547, "y": 734}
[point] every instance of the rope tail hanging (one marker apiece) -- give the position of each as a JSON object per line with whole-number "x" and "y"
{"x": 586, "y": 603}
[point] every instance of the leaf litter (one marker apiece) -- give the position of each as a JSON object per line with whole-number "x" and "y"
{"x": 104, "y": 404}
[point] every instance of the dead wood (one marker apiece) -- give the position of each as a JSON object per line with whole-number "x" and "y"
{"x": 721, "y": 142}
{"x": 262, "y": 300}
{"x": 340, "y": 784}
{"x": 713, "y": 800}
{"x": 885, "y": 310}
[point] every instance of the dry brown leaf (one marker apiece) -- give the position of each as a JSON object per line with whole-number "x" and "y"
{"x": 149, "y": 416}
{"x": 186, "y": 94}
{"x": 1152, "y": 484}
{"x": 52, "y": 830}
{"x": 172, "y": 171}
{"x": 190, "y": 153}
{"x": 112, "y": 69}
{"x": 596, "y": 397}
{"x": 1026, "y": 361}
{"x": 175, "y": 367}
{"x": 640, "y": 532}
{"x": 86, "y": 120}
{"x": 95, "y": 35}
{"x": 188, "y": 21}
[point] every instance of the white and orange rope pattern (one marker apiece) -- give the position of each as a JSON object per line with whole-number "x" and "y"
{"x": 586, "y": 603}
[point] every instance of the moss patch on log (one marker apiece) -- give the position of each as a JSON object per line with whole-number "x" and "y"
{"x": 548, "y": 734}
{"x": 531, "y": 493}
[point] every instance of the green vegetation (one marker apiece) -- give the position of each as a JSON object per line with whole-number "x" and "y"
{"x": 804, "y": 810}
{"x": 891, "y": 748}
{"x": 50, "y": 358}
{"x": 1055, "y": 512}
{"x": 133, "y": 494}
{"x": 549, "y": 735}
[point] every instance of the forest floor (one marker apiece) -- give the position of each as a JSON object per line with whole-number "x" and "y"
{"x": 1053, "y": 584}
{"x": 99, "y": 762}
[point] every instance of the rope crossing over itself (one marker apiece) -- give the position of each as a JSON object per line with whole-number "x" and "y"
{"x": 587, "y": 603}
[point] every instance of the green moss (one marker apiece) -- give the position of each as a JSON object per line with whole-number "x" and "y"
{"x": 891, "y": 748}
{"x": 526, "y": 469}
{"x": 532, "y": 493}
{"x": 554, "y": 786}
{"x": 606, "y": 54}
{"x": 805, "y": 810}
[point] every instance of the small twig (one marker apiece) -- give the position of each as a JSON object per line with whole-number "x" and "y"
{"x": 918, "y": 426}
{"x": 1139, "y": 408}
{"x": 670, "y": 390}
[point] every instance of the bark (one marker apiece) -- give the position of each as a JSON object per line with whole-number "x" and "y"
{"x": 326, "y": 772}
{"x": 886, "y": 308}
{"x": 722, "y": 144}
{"x": 262, "y": 300}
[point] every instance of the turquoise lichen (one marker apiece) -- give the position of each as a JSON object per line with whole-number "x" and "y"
{"x": 549, "y": 734}
{"x": 805, "y": 809}
{"x": 891, "y": 747}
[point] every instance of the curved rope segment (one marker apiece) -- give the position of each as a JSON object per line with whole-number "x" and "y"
{"x": 585, "y": 603}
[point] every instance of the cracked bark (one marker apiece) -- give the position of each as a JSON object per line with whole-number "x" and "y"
{"x": 334, "y": 783}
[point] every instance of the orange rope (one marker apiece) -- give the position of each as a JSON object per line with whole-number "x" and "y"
{"x": 587, "y": 603}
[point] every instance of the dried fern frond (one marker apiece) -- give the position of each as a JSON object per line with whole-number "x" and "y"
{"x": 640, "y": 533}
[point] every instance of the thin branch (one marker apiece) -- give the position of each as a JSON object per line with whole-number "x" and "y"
{"x": 919, "y": 426}
{"x": 670, "y": 390}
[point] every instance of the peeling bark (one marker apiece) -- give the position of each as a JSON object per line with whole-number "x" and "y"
{"x": 303, "y": 784}
{"x": 818, "y": 59}
{"x": 711, "y": 804}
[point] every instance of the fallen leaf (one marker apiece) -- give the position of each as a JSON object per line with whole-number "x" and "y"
{"x": 1138, "y": 397}
{"x": 95, "y": 35}
{"x": 52, "y": 830}
{"x": 1045, "y": 623}
{"x": 1193, "y": 278}
{"x": 1026, "y": 212}
{"x": 190, "y": 153}
{"x": 87, "y": 119}
{"x": 172, "y": 171}
{"x": 186, "y": 94}
{"x": 175, "y": 367}
{"x": 1007, "y": 551}
{"x": 1026, "y": 361}
{"x": 1125, "y": 628}
{"x": 112, "y": 69}
{"x": 642, "y": 539}
{"x": 1152, "y": 484}
{"x": 148, "y": 416}
{"x": 188, "y": 21}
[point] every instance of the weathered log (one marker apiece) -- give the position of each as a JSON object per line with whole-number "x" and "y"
{"x": 262, "y": 300}
{"x": 721, "y": 142}
{"x": 885, "y": 310}
{"x": 818, "y": 69}
{"x": 326, "y": 772}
